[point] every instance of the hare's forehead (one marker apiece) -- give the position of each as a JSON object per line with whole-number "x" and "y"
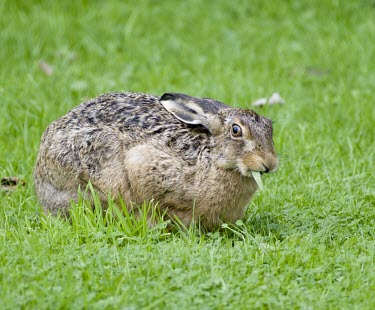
{"x": 245, "y": 118}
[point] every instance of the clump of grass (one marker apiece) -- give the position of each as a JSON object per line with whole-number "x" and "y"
{"x": 115, "y": 222}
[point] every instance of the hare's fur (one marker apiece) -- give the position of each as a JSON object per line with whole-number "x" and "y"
{"x": 181, "y": 151}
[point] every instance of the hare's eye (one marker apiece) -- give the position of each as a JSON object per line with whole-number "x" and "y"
{"x": 236, "y": 131}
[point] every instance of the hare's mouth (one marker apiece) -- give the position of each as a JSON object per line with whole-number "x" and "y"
{"x": 256, "y": 175}
{"x": 247, "y": 171}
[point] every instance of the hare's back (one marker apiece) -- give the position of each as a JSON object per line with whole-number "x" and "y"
{"x": 120, "y": 111}
{"x": 95, "y": 134}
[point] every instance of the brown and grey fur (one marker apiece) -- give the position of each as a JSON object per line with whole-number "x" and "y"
{"x": 176, "y": 149}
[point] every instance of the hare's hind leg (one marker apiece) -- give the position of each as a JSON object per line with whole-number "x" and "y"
{"x": 55, "y": 186}
{"x": 68, "y": 160}
{"x": 53, "y": 199}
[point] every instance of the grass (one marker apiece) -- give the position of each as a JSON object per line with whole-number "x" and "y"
{"x": 307, "y": 240}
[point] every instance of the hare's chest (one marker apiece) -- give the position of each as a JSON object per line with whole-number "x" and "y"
{"x": 225, "y": 196}
{"x": 236, "y": 194}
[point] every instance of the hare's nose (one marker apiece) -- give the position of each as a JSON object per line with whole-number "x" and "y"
{"x": 265, "y": 167}
{"x": 270, "y": 163}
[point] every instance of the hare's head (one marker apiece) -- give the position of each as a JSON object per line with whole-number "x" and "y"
{"x": 242, "y": 138}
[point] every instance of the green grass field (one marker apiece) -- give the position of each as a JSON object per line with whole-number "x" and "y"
{"x": 308, "y": 239}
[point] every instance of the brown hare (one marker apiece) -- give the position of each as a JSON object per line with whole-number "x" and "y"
{"x": 195, "y": 157}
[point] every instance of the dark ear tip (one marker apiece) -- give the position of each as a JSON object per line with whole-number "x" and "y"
{"x": 167, "y": 96}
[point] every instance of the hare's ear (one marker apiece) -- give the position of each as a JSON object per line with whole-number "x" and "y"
{"x": 191, "y": 110}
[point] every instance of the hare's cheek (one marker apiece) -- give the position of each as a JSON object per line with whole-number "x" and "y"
{"x": 243, "y": 168}
{"x": 249, "y": 146}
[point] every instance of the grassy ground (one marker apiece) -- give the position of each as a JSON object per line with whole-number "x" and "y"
{"x": 307, "y": 240}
